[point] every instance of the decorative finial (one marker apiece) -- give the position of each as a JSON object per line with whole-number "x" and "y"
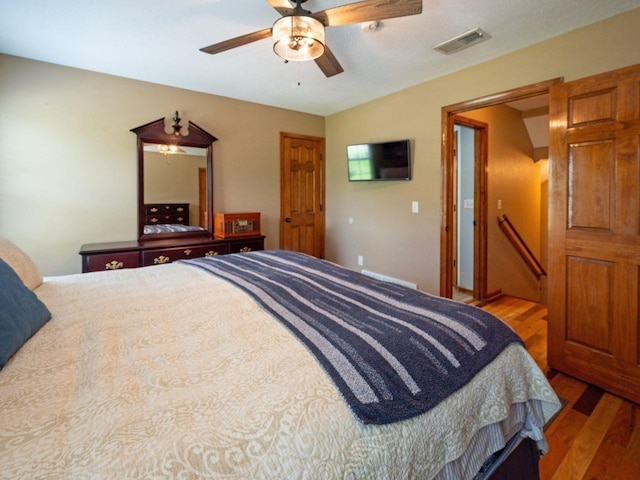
{"x": 176, "y": 124}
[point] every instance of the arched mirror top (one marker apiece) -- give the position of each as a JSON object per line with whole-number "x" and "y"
{"x": 175, "y": 181}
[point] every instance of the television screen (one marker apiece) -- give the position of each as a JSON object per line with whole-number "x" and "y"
{"x": 379, "y": 161}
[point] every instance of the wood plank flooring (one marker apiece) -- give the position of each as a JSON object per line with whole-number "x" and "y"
{"x": 597, "y": 435}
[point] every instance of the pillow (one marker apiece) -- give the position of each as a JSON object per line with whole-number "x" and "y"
{"x": 23, "y": 265}
{"x": 21, "y": 313}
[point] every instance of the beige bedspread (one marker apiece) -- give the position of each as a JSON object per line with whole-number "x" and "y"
{"x": 169, "y": 372}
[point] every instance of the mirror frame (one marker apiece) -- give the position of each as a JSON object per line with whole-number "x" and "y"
{"x": 154, "y": 132}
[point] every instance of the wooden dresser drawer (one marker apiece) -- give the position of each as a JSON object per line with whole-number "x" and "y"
{"x": 116, "y": 255}
{"x": 182, "y": 219}
{"x": 166, "y": 208}
{"x": 111, "y": 261}
{"x": 246, "y": 246}
{"x": 168, "y": 255}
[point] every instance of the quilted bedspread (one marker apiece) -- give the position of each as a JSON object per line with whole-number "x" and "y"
{"x": 169, "y": 372}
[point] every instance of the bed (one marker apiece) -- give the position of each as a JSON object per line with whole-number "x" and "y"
{"x": 192, "y": 370}
{"x": 171, "y": 228}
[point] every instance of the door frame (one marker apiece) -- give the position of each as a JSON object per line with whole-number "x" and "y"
{"x": 202, "y": 197}
{"x": 447, "y": 159}
{"x": 480, "y": 158}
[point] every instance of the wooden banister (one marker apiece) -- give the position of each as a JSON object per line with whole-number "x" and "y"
{"x": 521, "y": 247}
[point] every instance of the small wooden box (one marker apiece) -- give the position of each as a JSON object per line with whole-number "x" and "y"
{"x": 229, "y": 225}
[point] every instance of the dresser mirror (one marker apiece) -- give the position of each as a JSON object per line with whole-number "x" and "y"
{"x": 175, "y": 181}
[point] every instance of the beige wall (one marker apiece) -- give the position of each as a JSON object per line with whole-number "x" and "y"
{"x": 68, "y": 160}
{"x": 392, "y": 240}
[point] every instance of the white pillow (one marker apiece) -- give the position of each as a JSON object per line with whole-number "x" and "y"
{"x": 21, "y": 263}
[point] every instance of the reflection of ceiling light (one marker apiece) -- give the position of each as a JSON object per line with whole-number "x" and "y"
{"x": 298, "y": 38}
{"x": 169, "y": 149}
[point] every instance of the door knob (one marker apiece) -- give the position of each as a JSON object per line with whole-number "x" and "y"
{"x": 288, "y": 220}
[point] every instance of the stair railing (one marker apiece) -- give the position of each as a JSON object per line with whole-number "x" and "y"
{"x": 521, "y": 247}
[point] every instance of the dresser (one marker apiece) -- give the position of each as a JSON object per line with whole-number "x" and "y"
{"x": 133, "y": 254}
{"x": 158, "y": 213}
{"x": 165, "y": 232}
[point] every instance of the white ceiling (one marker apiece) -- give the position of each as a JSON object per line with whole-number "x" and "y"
{"x": 159, "y": 40}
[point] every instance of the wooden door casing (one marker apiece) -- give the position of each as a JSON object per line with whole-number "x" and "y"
{"x": 480, "y": 241}
{"x": 594, "y": 230}
{"x": 448, "y": 185}
{"x": 202, "y": 197}
{"x": 302, "y": 194}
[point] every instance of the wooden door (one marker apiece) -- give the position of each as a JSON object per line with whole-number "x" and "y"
{"x": 202, "y": 198}
{"x": 594, "y": 230}
{"x": 302, "y": 194}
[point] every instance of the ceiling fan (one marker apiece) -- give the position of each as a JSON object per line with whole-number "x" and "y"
{"x": 299, "y": 34}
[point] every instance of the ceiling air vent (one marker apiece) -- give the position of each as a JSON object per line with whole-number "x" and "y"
{"x": 462, "y": 41}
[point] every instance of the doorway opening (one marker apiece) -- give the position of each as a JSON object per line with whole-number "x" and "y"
{"x": 470, "y": 150}
{"x": 449, "y": 230}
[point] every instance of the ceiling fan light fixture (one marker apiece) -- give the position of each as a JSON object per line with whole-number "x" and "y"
{"x": 298, "y": 38}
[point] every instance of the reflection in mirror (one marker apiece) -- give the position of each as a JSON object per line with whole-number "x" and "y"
{"x": 175, "y": 192}
{"x": 175, "y": 180}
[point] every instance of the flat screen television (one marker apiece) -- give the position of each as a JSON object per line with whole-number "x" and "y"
{"x": 379, "y": 161}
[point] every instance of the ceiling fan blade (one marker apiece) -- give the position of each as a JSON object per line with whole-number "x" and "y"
{"x": 237, "y": 41}
{"x": 328, "y": 63}
{"x": 283, "y": 7}
{"x": 367, "y": 11}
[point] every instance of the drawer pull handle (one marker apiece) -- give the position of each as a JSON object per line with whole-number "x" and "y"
{"x": 245, "y": 249}
{"x": 187, "y": 252}
{"x": 180, "y": 219}
{"x": 114, "y": 265}
{"x": 161, "y": 259}
{"x": 211, "y": 253}
{"x": 153, "y": 220}
{"x": 180, "y": 209}
{"x": 154, "y": 210}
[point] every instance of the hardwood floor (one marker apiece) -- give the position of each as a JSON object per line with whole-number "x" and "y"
{"x": 597, "y": 434}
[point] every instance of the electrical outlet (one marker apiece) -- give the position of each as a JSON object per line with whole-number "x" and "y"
{"x": 360, "y": 260}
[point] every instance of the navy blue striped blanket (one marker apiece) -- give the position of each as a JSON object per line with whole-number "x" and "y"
{"x": 392, "y": 352}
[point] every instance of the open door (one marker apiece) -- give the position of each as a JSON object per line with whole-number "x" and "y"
{"x": 594, "y": 236}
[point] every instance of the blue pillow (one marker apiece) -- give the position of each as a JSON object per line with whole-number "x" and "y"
{"x": 21, "y": 313}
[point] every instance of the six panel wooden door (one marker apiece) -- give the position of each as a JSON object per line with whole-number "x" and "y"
{"x": 594, "y": 230}
{"x": 302, "y": 194}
